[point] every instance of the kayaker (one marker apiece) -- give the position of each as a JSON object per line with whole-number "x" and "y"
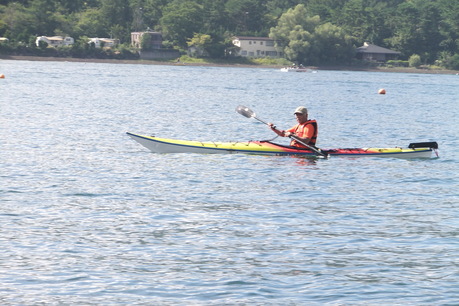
{"x": 306, "y": 130}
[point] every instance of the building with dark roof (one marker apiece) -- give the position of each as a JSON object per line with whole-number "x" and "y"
{"x": 369, "y": 52}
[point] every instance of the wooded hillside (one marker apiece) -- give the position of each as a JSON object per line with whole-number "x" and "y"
{"x": 318, "y": 31}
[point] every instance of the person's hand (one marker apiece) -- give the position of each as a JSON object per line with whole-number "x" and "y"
{"x": 288, "y": 134}
{"x": 271, "y": 125}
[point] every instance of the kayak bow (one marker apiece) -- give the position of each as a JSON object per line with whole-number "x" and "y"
{"x": 165, "y": 145}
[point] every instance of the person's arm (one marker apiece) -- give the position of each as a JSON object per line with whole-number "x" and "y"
{"x": 279, "y": 132}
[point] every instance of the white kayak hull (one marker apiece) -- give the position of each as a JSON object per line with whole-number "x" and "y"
{"x": 165, "y": 145}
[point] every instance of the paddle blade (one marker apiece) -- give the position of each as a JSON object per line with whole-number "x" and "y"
{"x": 245, "y": 111}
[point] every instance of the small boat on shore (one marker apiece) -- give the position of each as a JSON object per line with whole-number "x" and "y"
{"x": 165, "y": 145}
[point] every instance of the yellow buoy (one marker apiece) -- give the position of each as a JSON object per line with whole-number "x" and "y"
{"x": 382, "y": 91}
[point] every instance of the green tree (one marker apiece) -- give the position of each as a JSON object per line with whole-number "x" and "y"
{"x": 150, "y": 41}
{"x": 275, "y": 8}
{"x": 328, "y": 10}
{"x": 430, "y": 35}
{"x": 145, "y": 42}
{"x": 91, "y": 23}
{"x": 181, "y": 19}
{"x": 364, "y": 20}
{"x": 332, "y": 45}
{"x": 201, "y": 42}
{"x": 294, "y": 33}
{"x": 414, "y": 61}
{"x": 117, "y": 16}
{"x": 453, "y": 62}
{"x": 43, "y": 18}
{"x": 216, "y": 19}
{"x": 73, "y": 6}
{"x": 417, "y": 29}
{"x": 120, "y": 32}
{"x": 450, "y": 25}
{"x": 42, "y": 45}
{"x": 300, "y": 47}
{"x": 295, "y": 19}
{"x": 18, "y": 21}
{"x": 152, "y": 11}
{"x": 307, "y": 41}
{"x": 80, "y": 47}
{"x": 248, "y": 16}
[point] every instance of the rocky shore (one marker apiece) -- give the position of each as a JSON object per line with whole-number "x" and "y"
{"x": 151, "y": 62}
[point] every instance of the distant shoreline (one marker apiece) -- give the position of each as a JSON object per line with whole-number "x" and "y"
{"x": 151, "y": 62}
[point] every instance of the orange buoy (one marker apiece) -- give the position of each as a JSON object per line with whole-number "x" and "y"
{"x": 2, "y": 76}
{"x": 382, "y": 91}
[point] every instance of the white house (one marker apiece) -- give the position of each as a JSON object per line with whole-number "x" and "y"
{"x": 256, "y": 46}
{"x": 104, "y": 42}
{"x": 55, "y": 41}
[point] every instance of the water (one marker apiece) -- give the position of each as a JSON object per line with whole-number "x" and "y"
{"x": 90, "y": 217}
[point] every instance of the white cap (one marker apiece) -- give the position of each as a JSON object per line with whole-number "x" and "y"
{"x": 301, "y": 110}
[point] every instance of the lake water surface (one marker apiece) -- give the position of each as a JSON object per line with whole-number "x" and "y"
{"x": 89, "y": 217}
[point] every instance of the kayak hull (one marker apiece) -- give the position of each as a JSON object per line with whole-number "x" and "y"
{"x": 165, "y": 145}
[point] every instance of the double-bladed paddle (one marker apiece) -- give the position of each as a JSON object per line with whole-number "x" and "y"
{"x": 247, "y": 112}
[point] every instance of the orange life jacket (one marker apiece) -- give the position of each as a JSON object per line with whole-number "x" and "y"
{"x": 298, "y": 130}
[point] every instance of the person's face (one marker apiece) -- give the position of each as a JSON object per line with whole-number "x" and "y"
{"x": 301, "y": 118}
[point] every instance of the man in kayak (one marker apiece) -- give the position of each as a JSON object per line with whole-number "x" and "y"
{"x": 306, "y": 130}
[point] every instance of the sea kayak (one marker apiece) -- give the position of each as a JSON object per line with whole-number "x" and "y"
{"x": 165, "y": 145}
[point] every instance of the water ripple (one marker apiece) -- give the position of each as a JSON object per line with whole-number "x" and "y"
{"x": 91, "y": 218}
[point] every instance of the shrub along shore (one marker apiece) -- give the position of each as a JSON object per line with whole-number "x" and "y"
{"x": 225, "y": 64}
